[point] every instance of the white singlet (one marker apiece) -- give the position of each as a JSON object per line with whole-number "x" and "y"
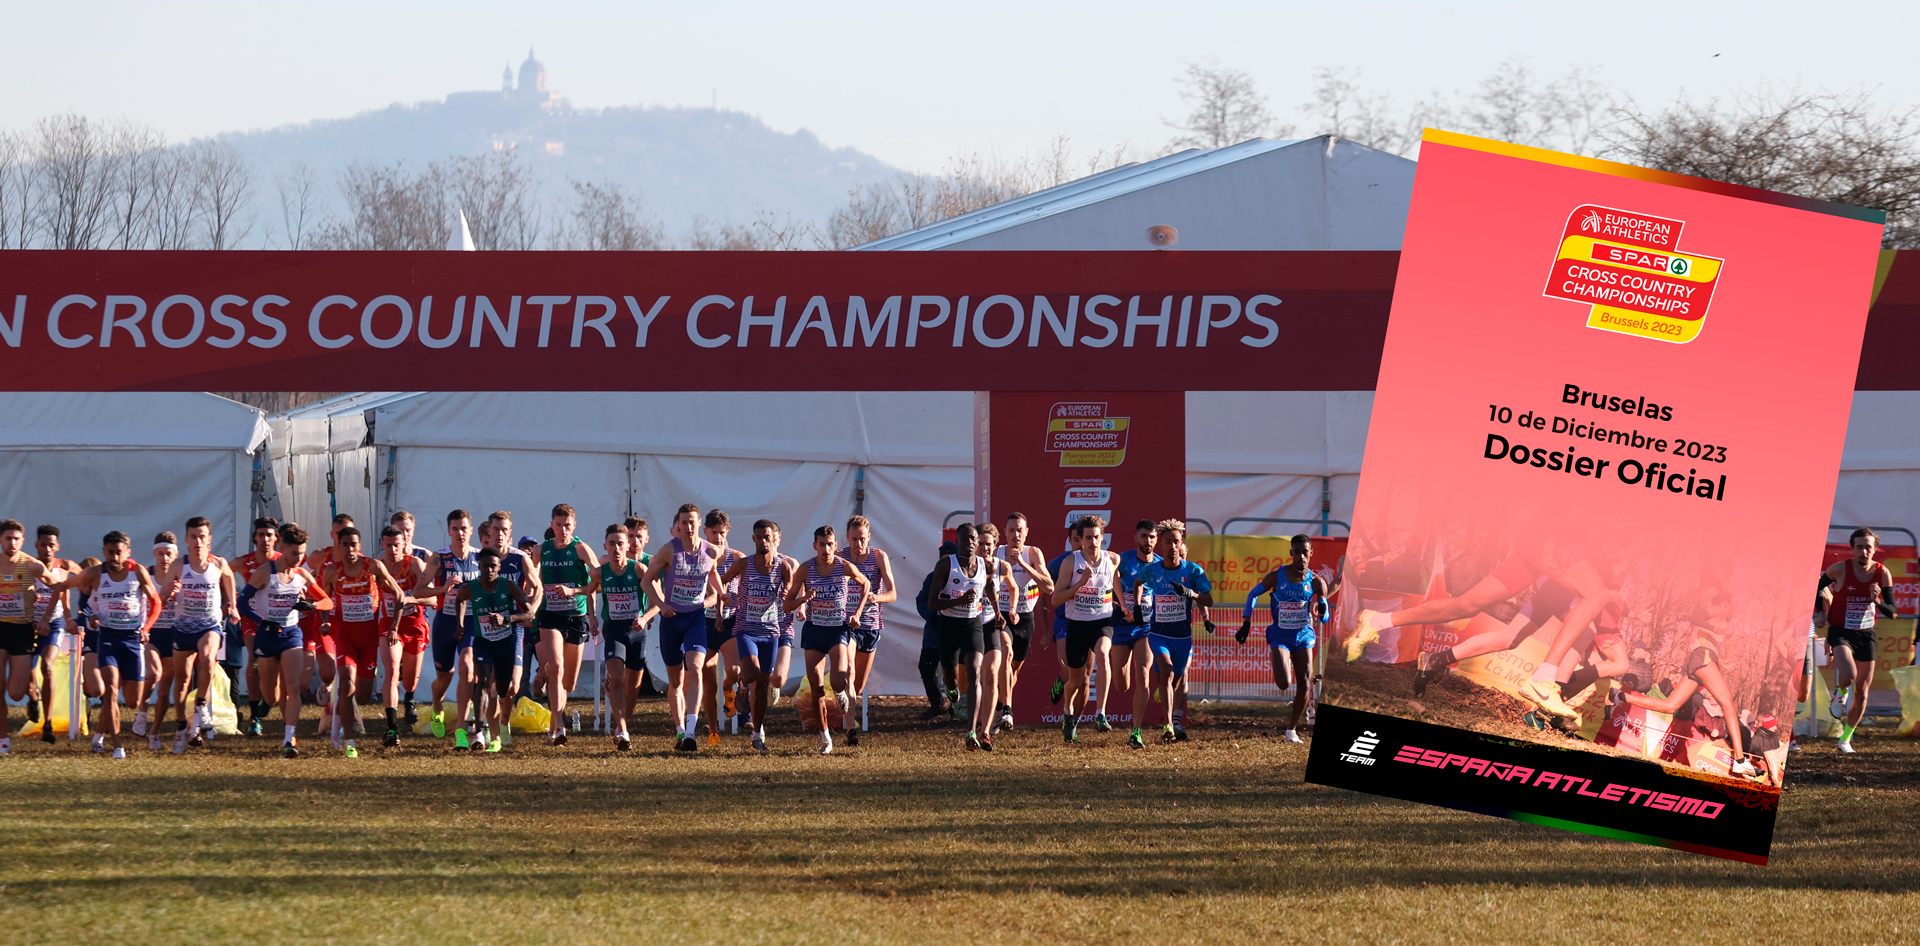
{"x": 1022, "y": 579}
{"x": 959, "y": 583}
{"x": 1094, "y": 600}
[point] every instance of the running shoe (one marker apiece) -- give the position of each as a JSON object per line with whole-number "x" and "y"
{"x": 1293, "y": 736}
{"x": 759, "y": 744}
{"x": 963, "y": 708}
{"x": 1179, "y": 734}
{"x": 139, "y": 724}
{"x": 1744, "y": 768}
{"x": 934, "y": 712}
{"x": 337, "y": 743}
{"x": 253, "y": 727}
{"x": 713, "y": 737}
{"x": 195, "y": 738}
{"x": 1793, "y": 745}
{"x": 460, "y": 739}
{"x": 33, "y": 711}
{"x": 1100, "y": 723}
{"x": 621, "y": 742}
{"x": 973, "y": 741}
{"x": 439, "y": 725}
{"x": 99, "y": 743}
{"x": 119, "y": 753}
{"x": 826, "y": 742}
{"x": 731, "y": 702}
{"x": 560, "y": 738}
{"x": 6, "y": 746}
{"x": 1845, "y": 746}
{"x": 1365, "y": 633}
{"x": 391, "y": 739}
{"x": 290, "y": 750}
{"x": 1134, "y": 741}
{"x": 1430, "y": 667}
{"x": 1546, "y": 695}
{"x": 506, "y": 735}
{"x": 687, "y": 744}
{"x": 153, "y": 742}
{"x": 1838, "y": 707}
{"x": 773, "y": 698}
{"x": 986, "y": 743}
{"x": 411, "y": 718}
{"x": 1006, "y": 716}
{"x": 180, "y": 743}
{"x": 1070, "y": 731}
{"x": 46, "y": 735}
{"x": 1059, "y": 689}
{"x": 494, "y": 746}
{"x": 1531, "y": 719}
{"x": 353, "y": 752}
{"x": 1166, "y": 735}
{"x": 853, "y": 737}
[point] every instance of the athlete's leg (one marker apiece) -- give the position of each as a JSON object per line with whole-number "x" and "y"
{"x": 19, "y": 672}
{"x": 203, "y": 658}
{"x": 842, "y": 657}
{"x": 1302, "y": 659}
{"x": 975, "y": 666}
{"x": 108, "y": 723}
{"x": 710, "y": 667}
{"x": 45, "y": 679}
{"x": 1716, "y": 686}
{"x": 550, "y": 653}
{"x": 1139, "y": 667}
{"x": 987, "y": 713}
{"x": 346, "y": 677}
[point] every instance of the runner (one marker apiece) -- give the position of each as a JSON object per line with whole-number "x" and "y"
{"x": 1175, "y": 585}
{"x": 623, "y": 608}
{"x": 274, "y": 597}
{"x": 51, "y": 611}
{"x": 687, "y": 562}
{"x": 721, "y": 651}
{"x": 766, "y": 583}
{"x": 202, "y": 589}
{"x": 1299, "y": 599}
{"x": 520, "y": 569}
{"x": 1863, "y": 592}
{"x": 931, "y": 661}
{"x": 1060, "y": 617}
{"x": 127, "y": 603}
{"x": 1127, "y": 657}
{"x": 867, "y": 625}
{"x": 321, "y": 662}
{"x": 160, "y": 650}
{"x": 265, "y": 534}
{"x": 429, "y": 606}
{"x": 1030, "y": 578}
{"x": 499, "y": 612}
{"x": 358, "y": 584}
{"x": 825, "y": 585}
{"x": 1085, "y": 584}
{"x": 967, "y": 607}
{"x": 21, "y": 577}
{"x": 456, "y": 564}
{"x": 407, "y": 613}
{"x": 566, "y": 566}
{"x": 999, "y": 638}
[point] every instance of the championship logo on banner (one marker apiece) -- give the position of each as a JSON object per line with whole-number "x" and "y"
{"x": 1588, "y": 530}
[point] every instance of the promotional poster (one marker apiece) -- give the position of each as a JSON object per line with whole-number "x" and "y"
{"x": 1592, "y": 513}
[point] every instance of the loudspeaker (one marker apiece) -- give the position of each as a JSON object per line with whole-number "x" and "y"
{"x": 1162, "y": 236}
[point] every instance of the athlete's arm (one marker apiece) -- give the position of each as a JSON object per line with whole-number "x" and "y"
{"x": 866, "y": 590}
{"x": 1064, "y": 587}
{"x": 532, "y": 589}
{"x": 938, "y": 600}
{"x": 392, "y": 588}
{"x": 1321, "y": 596}
{"x": 1885, "y": 604}
{"x": 735, "y": 570}
{"x": 153, "y": 598}
{"x": 651, "y": 581}
{"x": 886, "y": 593}
{"x": 585, "y": 554}
{"x": 1037, "y": 567}
{"x": 523, "y": 602}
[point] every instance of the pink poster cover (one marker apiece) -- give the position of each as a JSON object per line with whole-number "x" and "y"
{"x": 1602, "y": 457}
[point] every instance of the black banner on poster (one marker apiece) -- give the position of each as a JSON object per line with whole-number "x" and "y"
{"x": 1609, "y": 796}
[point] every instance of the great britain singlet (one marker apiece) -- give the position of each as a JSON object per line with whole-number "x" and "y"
{"x": 758, "y": 606}
{"x": 869, "y": 566}
{"x": 833, "y": 593}
{"x": 687, "y": 574}
{"x": 455, "y": 571}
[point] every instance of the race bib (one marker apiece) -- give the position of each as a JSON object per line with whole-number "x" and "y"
{"x": 1860, "y": 615}
{"x": 42, "y": 604}
{"x": 122, "y": 614}
{"x": 555, "y": 601}
{"x": 355, "y": 608}
{"x": 688, "y": 590}
{"x": 1290, "y": 615}
{"x": 194, "y": 602}
{"x": 495, "y": 631}
{"x": 623, "y": 605}
{"x": 1171, "y": 609}
{"x": 279, "y": 605}
{"x": 827, "y": 613}
{"x": 1091, "y": 599}
{"x": 13, "y": 604}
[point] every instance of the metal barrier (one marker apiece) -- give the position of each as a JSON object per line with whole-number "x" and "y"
{"x": 1322, "y": 523}
{"x": 949, "y": 518}
{"x": 1911, "y": 539}
{"x": 1209, "y": 525}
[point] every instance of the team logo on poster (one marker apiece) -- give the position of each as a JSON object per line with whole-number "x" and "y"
{"x": 1628, "y": 266}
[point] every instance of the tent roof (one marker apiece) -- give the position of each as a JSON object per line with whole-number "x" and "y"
{"x": 1322, "y": 193}
{"x": 191, "y": 420}
{"x": 901, "y": 428}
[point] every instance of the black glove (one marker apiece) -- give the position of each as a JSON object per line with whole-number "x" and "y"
{"x": 1246, "y": 629}
{"x": 302, "y": 604}
{"x": 1209, "y": 626}
{"x": 267, "y": 627}
{"x": 1183, "y": 591}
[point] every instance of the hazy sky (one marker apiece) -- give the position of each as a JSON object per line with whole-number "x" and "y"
{"x": 910, "y": 83}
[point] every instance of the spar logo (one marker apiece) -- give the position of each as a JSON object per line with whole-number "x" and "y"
{"x": 1362, "y": 749}
{"x": 1627, "y": 267}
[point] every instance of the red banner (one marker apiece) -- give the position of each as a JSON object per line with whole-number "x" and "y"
{"x": 1152, "y": 320}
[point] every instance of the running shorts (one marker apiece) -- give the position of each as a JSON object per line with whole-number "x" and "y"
{"x": 501, "y": 658}
{"x": 961, "y": 637}
{"x": 1700, "y": 657}
{"x": 162, "y": 642}
{"x": 682, "y": 634}
{"x": 415, "y": 633}
{"x": 866, "y": 640}
{"x": 354, "y": 642}
{"x": 1020, "y": 632}
{"x": 188, "y": 634}
{"x": 1860, "y": 640}
{"x": 446, "y": 640}
{"x": 1059, "y": 624}
{"x": 124, "y": 654}
{"x": 719, "y": 632}
{"x": 625, "y": 643}
{"x": 821, "y": 637}
{"x": 270, "y": 644}
{"x": 758, "y": 653}
{"x": 572, "y": 627}
{"x": 1179, "y": 650}
{"x": 55, "y": 628}
{"x": 16, "y": 639}
{"x": 1298, "y": 640}
{"x": 1124, "y": 635}
{"x": 1081, "y": 638}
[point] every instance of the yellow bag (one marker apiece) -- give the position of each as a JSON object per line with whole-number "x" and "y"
{"x": 67, "y": 700}
{"x": 425, "y": 726}
{"x": 1907, "y": 681}
{"x": 220, "y": 709}
{"x": 530, "y": 717}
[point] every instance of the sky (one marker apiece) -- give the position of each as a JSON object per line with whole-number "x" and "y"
{"x": 910, "y": 83}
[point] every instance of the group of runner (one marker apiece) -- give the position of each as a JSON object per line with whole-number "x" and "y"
{"x": 485, "y": 610}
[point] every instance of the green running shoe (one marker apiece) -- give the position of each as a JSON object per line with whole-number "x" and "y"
{"x": 1166, "y": 734}
{"x": 440, "y": 725}
{"x": 1069, "y": 730}
{"x": 1134, "y": 741}
{"x": 1059, "y": 690}
{"x": 460, "y": 740}
{"x": 352, "y": 753}
{"x": 493, "y": 746}
{"x": 1100, "y": 723}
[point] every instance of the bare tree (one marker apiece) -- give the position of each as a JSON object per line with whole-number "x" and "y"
{"x": 969, "y": 182}
{"x": 389, "y": 208}
{"x": 171, "y": 215}
{"x": 498, "y": 194}
{"x": 222, "y": 190}
{"x": 17, "y": 173}
{"x": 299, "y": 204}
{"x": 1511, "y": 103}
{"x": 1224, "y": 109}
{"x": 79, "y": 175}
{"x": 1342, "y": 107}
{"x": 1830, "y": 146}
{"x": 610, "y": 217}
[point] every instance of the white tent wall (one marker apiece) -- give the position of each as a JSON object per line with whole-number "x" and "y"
{"x": 1880, "y": 469}
{"x": 325, "y": 437}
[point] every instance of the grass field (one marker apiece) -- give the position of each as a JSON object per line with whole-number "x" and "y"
{"x": 905, "y": 839}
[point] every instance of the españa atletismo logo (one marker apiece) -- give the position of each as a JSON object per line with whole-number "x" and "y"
{"x": 1628, "y": 267}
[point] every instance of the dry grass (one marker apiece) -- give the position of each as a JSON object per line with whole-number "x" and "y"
{"x": 906, "y": 839}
